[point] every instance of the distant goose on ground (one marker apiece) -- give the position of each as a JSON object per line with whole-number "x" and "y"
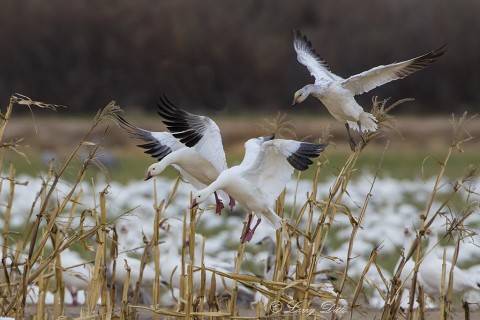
{"x": 264, "y": 172}
{"x": 337, "y": 94}
{"x": 269, "y": 268}
{"x": 47, "y": 157}
{"x": 431, "y": 271}
{"x": 123, "y": 259}
{"x": 76, "y": 273}
{"x": 193, "y": 146}
{"x": 408, "y": 269}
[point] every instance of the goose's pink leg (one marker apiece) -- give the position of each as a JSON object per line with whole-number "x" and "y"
{"x": 231, "y": 203}
{"x": 74, "y": 298}
{"x": 247, "y": 233}
{"x": 246, "y": 228}
{"x": 220, "y": 206}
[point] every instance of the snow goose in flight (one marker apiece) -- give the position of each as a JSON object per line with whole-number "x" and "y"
{"x": 337, "y": 94}
{"x": 193, "y": 146}
{"x": 265, "y": 170}
{"x": 431, "y": 271}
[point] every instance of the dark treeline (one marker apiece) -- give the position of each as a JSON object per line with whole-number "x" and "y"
{"x": 231, "y": 55}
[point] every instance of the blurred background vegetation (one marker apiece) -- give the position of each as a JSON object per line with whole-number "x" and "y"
{"x": 234, "y": 61}
{"x": 231, "y": 56}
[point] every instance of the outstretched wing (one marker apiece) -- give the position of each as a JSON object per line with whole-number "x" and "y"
{"x": 195, "y": 131}
{"x": 307, "y": 56}
{"x": 377, "y": 76}
{"x": 157, "y": 144}
{"x": 252, "y": 149}
{"x": 276, "y": 161}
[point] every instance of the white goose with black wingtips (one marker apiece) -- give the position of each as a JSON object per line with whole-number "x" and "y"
{"x": 193, "y": 146}
{"x": 338, "y": 94}
{"x": 264, "y": 172}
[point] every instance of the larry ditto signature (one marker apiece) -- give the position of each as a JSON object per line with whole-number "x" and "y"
{"x": 295, "y": 307}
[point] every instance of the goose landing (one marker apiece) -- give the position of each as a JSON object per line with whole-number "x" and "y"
{"x": 258, "y": 181}
{"x": 337, "y": 94}
{"x": 193, "y": 146}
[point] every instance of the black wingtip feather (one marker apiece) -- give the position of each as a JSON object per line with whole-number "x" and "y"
{"x": 421, "y": 62}
{"x": 188, "y": 138}
{"x": 152, "y": 147}
{"x": 178, "y": 122}
{"x": 171, "y": 104}
{"x": 300, "y": 159}
{"x": 156, "y": 150}
{"x": 169, "y": 108}
{"x": 177, "y": 126}
{"x": 135, "y": 132}
{"x": 169, "y": 111}
{"x": 297, "y": 36}
{"x": 299, "y": 162}
{"x": 310, "y": 150}
{"x": 125, "y": 125}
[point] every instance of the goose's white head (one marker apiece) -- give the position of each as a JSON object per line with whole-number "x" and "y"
{"x": 199, "y": 197}
{"x": 268, "y": 241}
{"x": 154, "y": 170}
{"x": 300, "y": 96}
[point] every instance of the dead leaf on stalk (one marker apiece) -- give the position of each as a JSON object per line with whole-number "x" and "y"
{"x": 24, "y": 100}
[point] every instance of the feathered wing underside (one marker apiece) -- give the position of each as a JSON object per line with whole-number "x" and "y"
{"x": 195, "y": 131}
{"x": 276, "y": 161}
{"x": 307, "y": 56}
{"x": 380, "y": 75}
{"x": 157, "y": 144}
{"x": 252, "y": 148}
{"x": 266, "y": 169}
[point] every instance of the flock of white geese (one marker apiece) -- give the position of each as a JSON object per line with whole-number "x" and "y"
{"x": 192, "y": 144}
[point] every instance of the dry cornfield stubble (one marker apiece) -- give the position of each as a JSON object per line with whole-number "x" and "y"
{"x": 78, "y": 215}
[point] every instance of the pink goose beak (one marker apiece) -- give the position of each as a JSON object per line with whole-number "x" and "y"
{"x": 194, "y": 204}
{"x": 148, "y": 176}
